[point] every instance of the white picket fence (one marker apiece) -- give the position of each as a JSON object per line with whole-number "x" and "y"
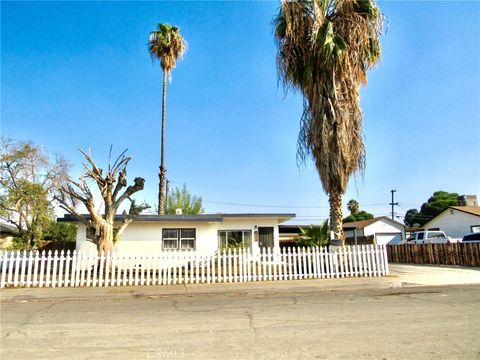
{"x": 65, "y": 269}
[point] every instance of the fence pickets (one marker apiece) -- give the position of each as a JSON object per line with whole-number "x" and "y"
{"x": 74, "y": 269}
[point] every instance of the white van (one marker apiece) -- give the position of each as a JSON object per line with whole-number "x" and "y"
{"x": 427, "y": 237}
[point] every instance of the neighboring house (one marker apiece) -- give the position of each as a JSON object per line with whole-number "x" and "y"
{"x": 7, "y": 233}
{"x": 203, "y": 234}
{"x": 382, "y": 230}
{"x": 456, "y": 221}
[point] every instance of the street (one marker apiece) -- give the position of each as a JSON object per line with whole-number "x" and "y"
{"x": 397, "y": 323}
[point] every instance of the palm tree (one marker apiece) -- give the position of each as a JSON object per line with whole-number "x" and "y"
{"x": 166, "y": 45}
{"x": 314, "y": 235}
{"x": 325, "y": 48}
{"x": 353, "y": 206}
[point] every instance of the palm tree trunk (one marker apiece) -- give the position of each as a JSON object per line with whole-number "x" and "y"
{"x": 161, "y": 175}
{"x": 336, "y": 224}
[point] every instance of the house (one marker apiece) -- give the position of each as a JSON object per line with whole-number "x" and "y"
{"x": 7, "y": 233}
{"x": 202, "y": 234}
{"x": 382, "y": 230}
{"x": 456, "y": 221}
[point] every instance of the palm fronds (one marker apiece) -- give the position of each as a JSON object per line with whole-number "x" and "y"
{"x": 167, "y": 45}
{"x": 325, "y": 48}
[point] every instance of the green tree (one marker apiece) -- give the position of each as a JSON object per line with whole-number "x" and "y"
{"x": 411, "y": 217}
{"x": 166, "y": 45}
{"x": 28, "y": 178}
{"x": 359, "y": 215}
{"x": 325, "y": 48}
{"x": 182, "y": 199}
{"x": 29, "y": 202}
{"x": 61, "y": 233}
{"x": 437, "y": 203}
{"x": 314, "y": 235}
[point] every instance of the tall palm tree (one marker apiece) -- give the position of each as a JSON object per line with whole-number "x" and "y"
{"x": 325, "y": 48}
{"x": 166, "y": 45}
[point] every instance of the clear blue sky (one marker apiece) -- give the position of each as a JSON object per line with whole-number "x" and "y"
{"x": 78, "y": 75}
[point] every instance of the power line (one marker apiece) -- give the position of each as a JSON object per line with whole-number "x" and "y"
{"x": 279, "y": 206}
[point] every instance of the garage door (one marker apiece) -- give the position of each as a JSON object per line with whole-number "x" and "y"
{"x": 392, "y": 238}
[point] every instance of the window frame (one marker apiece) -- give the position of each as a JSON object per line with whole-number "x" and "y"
{"x": 179, "y": 239}
{"x": 226, "y": 231}
{"x": 474, "y": 228}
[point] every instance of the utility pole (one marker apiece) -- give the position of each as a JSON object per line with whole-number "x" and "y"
{"x": 393, "y": 203}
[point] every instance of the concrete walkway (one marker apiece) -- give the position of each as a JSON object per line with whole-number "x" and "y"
{"x": 400, "y": 276}
{"x": 430, "y": 275}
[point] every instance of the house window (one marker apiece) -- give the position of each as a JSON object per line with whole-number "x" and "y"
{"x": 178, "y": 239}
{"x": 234, "y": 239}
{"x": 475, "y": 228}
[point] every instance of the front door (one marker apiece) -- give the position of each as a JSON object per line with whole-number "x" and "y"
{"x": 265, "y": 237}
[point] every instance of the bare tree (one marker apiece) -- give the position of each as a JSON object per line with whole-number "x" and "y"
{"x": 103, "y": 229}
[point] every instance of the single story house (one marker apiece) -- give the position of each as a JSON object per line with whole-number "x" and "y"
{"x": 456, "y": 221}
{"x": 203, "y": 234}
{"x": 382, "y": 230}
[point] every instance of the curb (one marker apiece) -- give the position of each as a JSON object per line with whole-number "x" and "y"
{"x": 162, "y": 291}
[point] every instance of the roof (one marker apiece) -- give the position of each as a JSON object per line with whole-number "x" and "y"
{"x": 187, "y": 218}
{"x": 472, "y": 210}
{"x": 364, "y": 223}
{"x": 291, "y": 229}
{"x": 8, "y": 229}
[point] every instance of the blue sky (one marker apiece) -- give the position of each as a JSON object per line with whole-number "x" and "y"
{"x": 78, "y": 75}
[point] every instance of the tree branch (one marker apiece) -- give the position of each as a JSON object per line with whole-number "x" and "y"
{"x": 133, "y": 212}
{"x": 138, "y": 185}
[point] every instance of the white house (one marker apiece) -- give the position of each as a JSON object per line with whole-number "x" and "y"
{"x": 202, "y": 234}
{"x": 456, "y": 221}
{"x": 383, "y": 229}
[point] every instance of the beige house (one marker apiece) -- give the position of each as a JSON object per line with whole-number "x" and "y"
{"x": 382, "y": 230}
{"x": 7, "y": 233}
{"x": 456, "y": 221}
{"x": 202, "y": 234}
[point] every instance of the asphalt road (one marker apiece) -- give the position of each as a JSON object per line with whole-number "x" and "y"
{"x": 402, "y": 323}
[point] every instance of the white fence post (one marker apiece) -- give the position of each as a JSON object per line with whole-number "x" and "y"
{"x": 17, "y": 269}
{"x": 385, "y": 259}
{"x": 83, "y": 267}
{"x": 54, "y": 270}
{"x": 355, "y": 263}
{"x": 4, "y": 257}
{"x": 78, "y": 270}
{"x": 363, "y": 260}
{"x": 377, "y": 262}
{"x": 29, "y": 270}
{"x": 234, "y": 265}
{"x": 42, "y": 269}
{"x": 24, "y": 265}
{"x": 341, "y": 260}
